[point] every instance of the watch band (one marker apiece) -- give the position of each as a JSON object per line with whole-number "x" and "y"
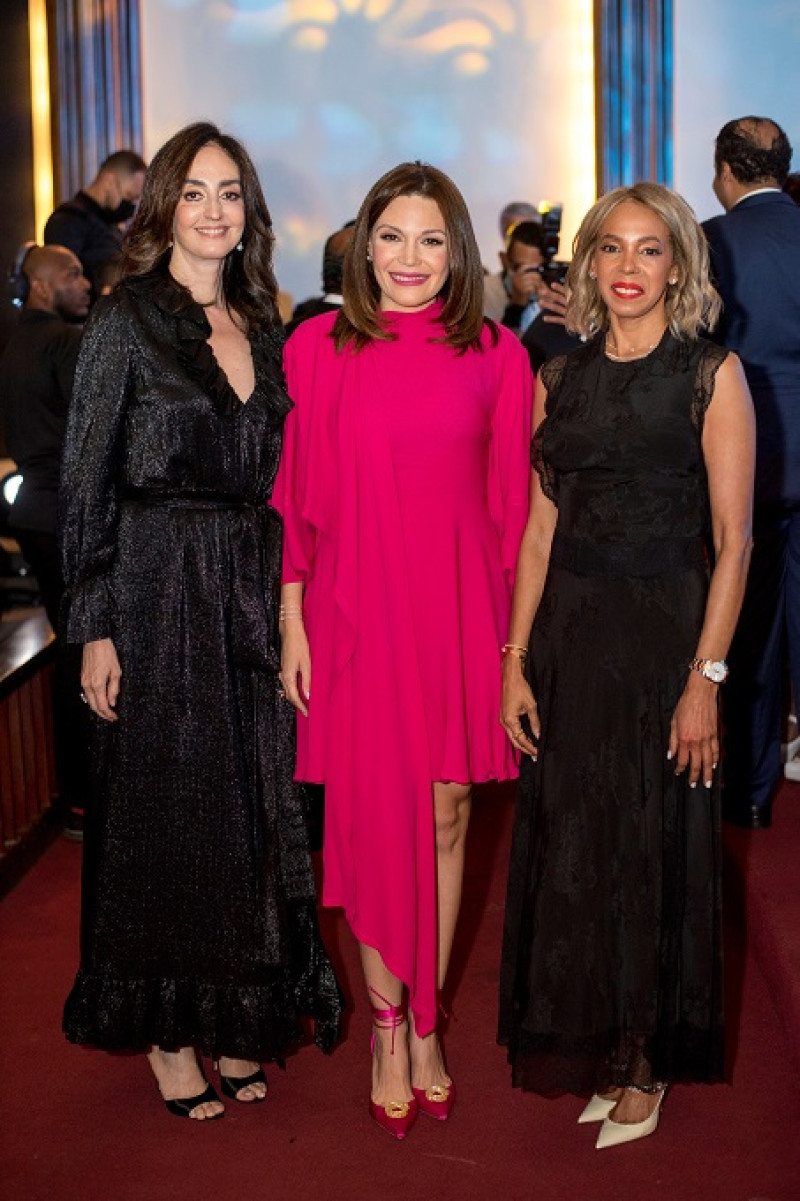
{"x": 715, "y": 670}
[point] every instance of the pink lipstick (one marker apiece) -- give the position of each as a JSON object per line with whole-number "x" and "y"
{"x": 407, "y": 281}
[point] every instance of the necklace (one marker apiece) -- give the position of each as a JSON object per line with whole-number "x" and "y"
{"x": 630, "y": 355}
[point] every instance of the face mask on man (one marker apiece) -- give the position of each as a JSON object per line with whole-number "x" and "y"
{"x": 123, "y": 212}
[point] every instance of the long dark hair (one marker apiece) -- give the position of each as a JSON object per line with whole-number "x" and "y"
{"x": 358, "y": 322}
{"x": 249, "y": 288}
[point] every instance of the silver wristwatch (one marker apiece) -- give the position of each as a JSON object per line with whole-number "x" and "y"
{"x": 715, "y": 670}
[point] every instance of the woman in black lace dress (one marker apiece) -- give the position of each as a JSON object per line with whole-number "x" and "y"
{"x": 199, "y": 925}
{"x": 629, "y": 584}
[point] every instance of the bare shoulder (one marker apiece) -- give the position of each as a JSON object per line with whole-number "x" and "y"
{"x": 729, "y": 380}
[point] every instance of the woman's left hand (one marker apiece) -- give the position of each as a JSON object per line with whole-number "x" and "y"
{"x": 694, "y": 731}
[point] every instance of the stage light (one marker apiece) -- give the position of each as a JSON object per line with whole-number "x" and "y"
{"x": 40, "y": 115}
{"x": 10, "y": 487}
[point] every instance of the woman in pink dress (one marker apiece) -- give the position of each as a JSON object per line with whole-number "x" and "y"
{"x": 404, "y": 490}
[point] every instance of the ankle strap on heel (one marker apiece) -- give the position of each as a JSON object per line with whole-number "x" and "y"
{"x": 386, "y": 1019}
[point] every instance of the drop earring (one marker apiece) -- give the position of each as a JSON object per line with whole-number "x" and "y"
{"x": 240, "y": 246}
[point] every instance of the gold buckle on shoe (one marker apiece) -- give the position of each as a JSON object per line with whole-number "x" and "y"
{"x": 438, "y": 1093}
{"x": 396, "y": 1109}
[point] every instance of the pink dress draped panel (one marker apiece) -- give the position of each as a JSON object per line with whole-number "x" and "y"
{"x": 404, "y": 492}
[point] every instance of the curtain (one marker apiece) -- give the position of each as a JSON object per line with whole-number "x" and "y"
{"x": 633, "y": 90}
{"x": 95, "y": 86}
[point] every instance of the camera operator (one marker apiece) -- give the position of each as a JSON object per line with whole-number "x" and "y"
{"x": 523, "y": 264}
{"x": 546, "y": 336}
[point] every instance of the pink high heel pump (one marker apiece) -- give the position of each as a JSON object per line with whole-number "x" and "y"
{"x": 395, "y": 1117}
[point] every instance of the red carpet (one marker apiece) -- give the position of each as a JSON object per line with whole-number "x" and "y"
{"x": 765, "y": 870}
{"x": 83, "y": 1126}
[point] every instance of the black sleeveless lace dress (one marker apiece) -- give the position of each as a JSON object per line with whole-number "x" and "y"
{"x": 612, "y": 955}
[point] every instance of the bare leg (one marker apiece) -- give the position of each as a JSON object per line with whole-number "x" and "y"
{"x": 452, "y": 804}
{"x": 178, "y": 1076}
{"x": 634, "y": 1106}
{"x": 241, "y": 1068}
{"x": 391, "y": 1080}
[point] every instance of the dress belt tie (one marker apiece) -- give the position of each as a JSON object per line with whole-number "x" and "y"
{"x": 254, "y": 542}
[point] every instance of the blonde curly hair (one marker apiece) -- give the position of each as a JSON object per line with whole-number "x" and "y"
{"x": 692, "y": 304}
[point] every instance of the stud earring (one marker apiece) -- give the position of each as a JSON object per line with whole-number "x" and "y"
{"x": 592, "y": 275}
{"x": 240, "y": 246}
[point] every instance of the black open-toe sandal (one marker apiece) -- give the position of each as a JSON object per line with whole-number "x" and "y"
{"x": 182, "y": 1106}
{"x": 231, "y": 1085}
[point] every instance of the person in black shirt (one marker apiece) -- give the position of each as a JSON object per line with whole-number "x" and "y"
{"x": 332, "y": 267}
{"x": 36, "y": 374}
{"x": 89, "y": 224}
{"x": 545, "y": 340}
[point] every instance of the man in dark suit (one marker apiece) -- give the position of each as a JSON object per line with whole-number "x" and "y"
{"x": 755, "y": 254}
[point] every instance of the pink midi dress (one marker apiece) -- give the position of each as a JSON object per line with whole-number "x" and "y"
{"x": 403, "y": 488}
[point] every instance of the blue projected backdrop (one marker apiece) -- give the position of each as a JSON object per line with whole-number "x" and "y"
{"x": 328, "y": 94}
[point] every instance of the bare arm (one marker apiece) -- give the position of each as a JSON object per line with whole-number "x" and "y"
{"x": 729, "y": 453}
{"x": 295, "y": 672}
{"x": 532, "y": 564}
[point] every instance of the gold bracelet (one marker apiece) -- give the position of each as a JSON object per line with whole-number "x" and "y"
{"x": 291, "y": 612}
{"x": 517, "y": 652}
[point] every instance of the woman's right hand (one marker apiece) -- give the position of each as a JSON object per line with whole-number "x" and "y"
{"x": 100, "y": 677}
{"x": 518, "y": 702}
{"x": 295, "y": 674}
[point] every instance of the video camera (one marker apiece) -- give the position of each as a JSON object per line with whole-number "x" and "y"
{"x": 554, "y": 270}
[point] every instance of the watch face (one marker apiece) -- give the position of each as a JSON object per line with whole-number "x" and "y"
{"x": 716, "y": 672}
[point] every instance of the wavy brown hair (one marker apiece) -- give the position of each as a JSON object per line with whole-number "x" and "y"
{"x": 248, "y": 281}
{"x": 358, "y": 321}
{"x": 691, "y": 304}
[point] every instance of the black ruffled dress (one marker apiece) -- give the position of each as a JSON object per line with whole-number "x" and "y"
{"x": 199, "y": 919}
{"x": 612, "y": 956}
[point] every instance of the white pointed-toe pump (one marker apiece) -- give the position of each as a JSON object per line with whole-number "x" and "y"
{"x": 613, "y": 1133}
{"x": 597, "y": 1109}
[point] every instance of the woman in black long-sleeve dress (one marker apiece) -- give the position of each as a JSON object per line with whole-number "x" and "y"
{"x": 199, "y": 927}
